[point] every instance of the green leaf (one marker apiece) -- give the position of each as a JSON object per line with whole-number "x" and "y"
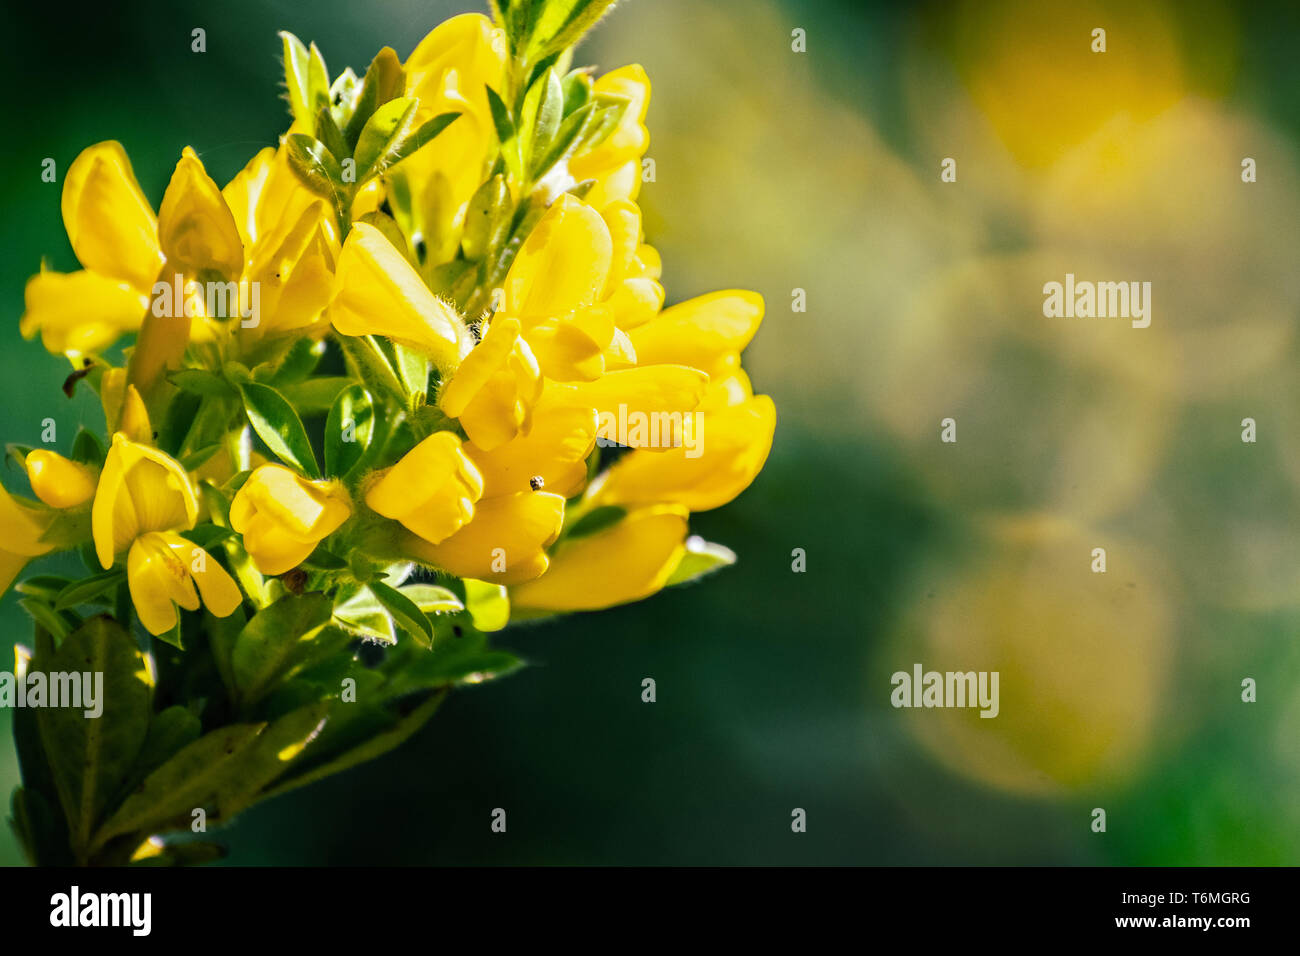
{"x": 385, "y": 80}
{"x": 279, "y": 426}
{"x": 433, "y": 599}
{"x": 87, "y": 590}
{"x": 348, "y": 430}
{"x": 700, "y": 558}
{"x": 318, "y": 81}
{"x": 315, "y": 394}
{"x": 488, "y": 604}
{"x": 382, "y": 133}
{"x": 189, "y": 780}
{"x": 376, "y": 745}
{"x": 87, "y": 448}
{"x": 328, "y": 132}
{"x": 505, "y": 126}
{"x": 277, "y": 639}
{"x": 546, "y": 119}
{"x": 296, "y": 69}
{"x": 169, "y": 732}
{"x": 296, "y": 364}
{"x": 43, "y": 586}
{"x": 404, "y": 611}
{"x": 90, "y": 757}
{"x": 225, "y": 770}
{"x": 489, "y": 205}
{"x": 561, "y": 24}
{"x": 316, "y": 167}
{"x": 425, "y": 134}
{"x": 48, "y": 618}
{"x": 566, "y": 138}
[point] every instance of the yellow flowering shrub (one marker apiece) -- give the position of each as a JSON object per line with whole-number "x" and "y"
{"x": 407, "y": 377}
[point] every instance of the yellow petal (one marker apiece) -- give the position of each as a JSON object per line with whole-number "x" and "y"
{"x": 468, "y": 43}
{"x": 563, "y": 265}
{"x": 654, "y": 392}
{"x": 380, "y": 293}
{"x": 158, "y": 580}
{"x": 555, "y": 450}
{"x": 718, "y": 462}
{"x": 80, "y": 311}
{"x": 432, "y": 490}
{"x": 21, "y": 527}
{"x": 506, "y": 541}
{"x": 217, "y": 588}
{"x": 700, "y": 332}
{"x": 625, "y": 562}
{"x": 110, "y": 224}
{"x": 495, "y": 387}
{"x": 195, "y": 226}
{"x": 58, "y": 481}
{"x": 243, "y": 192}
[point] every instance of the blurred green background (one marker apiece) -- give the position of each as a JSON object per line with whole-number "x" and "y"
{"x": 819, "y": 171}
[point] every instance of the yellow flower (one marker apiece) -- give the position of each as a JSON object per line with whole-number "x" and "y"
{"x": 22, "y": 528}
{"x": 615, "y": 164}
{"x": 431, "y": 491}
{"x": 58, "y": 481}
{"x": 625, "y": 562}
{"x": 380, "y": 293}
{"x": 495, "y": 387}
{"x": 115, "y": 236}
{"x": 505, "y": 543}
{"x": 291, "y": 247}
{"x": 144, "y": 497}
{"x": 282, "y": 516}
{"x": 554, "y": 288}
{"x": 140, "y": 490}
{"x": 162, "y": 569}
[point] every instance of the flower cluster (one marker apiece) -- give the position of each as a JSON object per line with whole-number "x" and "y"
{"x": 414, "y": 360}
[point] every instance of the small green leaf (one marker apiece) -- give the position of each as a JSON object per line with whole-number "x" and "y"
{"x": 328, "y": 132}
{"x": 316, "y": 167}
{"x": 279, "y": 426}
{"x": 505, "y": 126}
{"x": 87, "y": 448}
{"x": 700, "y": 558}
{"x": 404, "y": 611}
{"x": 546, "y": 122}
{"x": 566, "y": 138}
{"x": 316, "y": 394}
{"x": 560, "y": 24}
{"x": 348, "y": 430}
{"x": 488, "y": 604}
{"x": 88, "y": 590}
{"x": 382, "y": 132}
{"x": 199, "y": 381}
{"x": 432, "y": 599}
{"x": 296, "y": 69}
{"x": 318, "y": 81}
{"x": 385, "y": 80}
{"x": 426, "y": 133}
